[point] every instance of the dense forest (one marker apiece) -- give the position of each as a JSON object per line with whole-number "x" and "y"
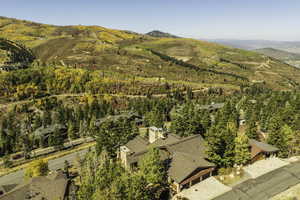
{"x": 270, "y": 116}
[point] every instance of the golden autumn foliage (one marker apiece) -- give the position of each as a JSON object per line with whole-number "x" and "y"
{"x": 37, "y": 168}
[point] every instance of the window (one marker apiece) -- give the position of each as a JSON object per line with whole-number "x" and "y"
{"x": 134, "y": 165}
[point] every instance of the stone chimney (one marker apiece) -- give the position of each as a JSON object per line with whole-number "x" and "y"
{"x": 155, "y": 134}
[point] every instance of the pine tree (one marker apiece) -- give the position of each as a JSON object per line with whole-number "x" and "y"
{"x": 155, "y": 118}
{"x": 288, "y": 135}
{"x": 221, "y": 145}
{"x": 251, "y": 130}
{"x": 276, "y": 137}
{"x": 56, "y": 139}
{"x": 46, "y": 118}
{"x": 71, "y": 131}
{"x": 114, "y": 133}
{"x": 242, "y": 153}
{"x": 151, "y": 167}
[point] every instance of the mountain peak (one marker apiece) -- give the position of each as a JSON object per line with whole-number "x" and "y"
{"x": 157, "y": 33}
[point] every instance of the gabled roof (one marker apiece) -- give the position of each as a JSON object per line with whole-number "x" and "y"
{"x": 191, "y": 145}
{"x": 186, "y": 155}
{"x": 126, "y": 115}
{"x": 212, "y": 106}
{"x": 42, "y": 131}
{"x": 183, "y": 165}
{"x": 51, "y": 187}
{"x": 138, "y": 144}
{"x": 263, "y": 146}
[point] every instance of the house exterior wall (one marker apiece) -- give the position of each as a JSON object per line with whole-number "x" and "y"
{"x": 201, "y": 174}
{"x": 259, "y": 156}
{"x": 192, "y": 180}
{"x": 255, "y": 151}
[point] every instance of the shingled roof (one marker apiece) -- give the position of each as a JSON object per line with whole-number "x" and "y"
{"x": 126, "y": 115}
{"x": 44, "y": 131}
{"x": 263, "y": 146}
{"x": 183, "y": 164}
{"x": 212, "y": 106}
{"x": 51, "y": 187}
{"x": 186, "y": 155}
{"x": 191, "y": 145}
{"x": 138, "y": 144}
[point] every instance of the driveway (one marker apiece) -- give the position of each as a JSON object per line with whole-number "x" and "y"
{"x": 265, "y": 186}
{"x": 205, "y": 190}
{"x": 17, "y": 177}
{"x": 262, "y": 167}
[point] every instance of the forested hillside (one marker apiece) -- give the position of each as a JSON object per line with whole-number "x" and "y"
{"x": 129, "y": 55}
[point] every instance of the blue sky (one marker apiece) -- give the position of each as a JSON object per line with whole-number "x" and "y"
{"x": 233, "y": 19}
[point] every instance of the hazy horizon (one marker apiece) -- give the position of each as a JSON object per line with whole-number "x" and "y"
{"x": 206, "y": 19}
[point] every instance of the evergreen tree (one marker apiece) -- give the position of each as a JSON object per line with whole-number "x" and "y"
{"x": 71, "y": 131}
{"x": 151, "y": 167}
{"x": 46, "y": 118}
{"x": 251, "y": 129}
{"x": 295, "y": 143}
{"x": 288, "y": 135}
{"x": 7, "y": 163}
{"x": 56, "y": 139}
{"x": 242, "y": 153}
{"x": 154, "y": 118}
{"x": 187, "y": 121}
{"x": 221, "y": 145}
{"x": 114, "y": 133}
{"x": 26, "y": 146}
{"x": 276, "y": 137}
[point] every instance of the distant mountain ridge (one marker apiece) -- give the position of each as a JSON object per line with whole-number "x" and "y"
{"x": 279, "y": 54}
{"x": 290, "y": 46}
{"x": 287, "y": 57}
{"x": 161, "y": 34}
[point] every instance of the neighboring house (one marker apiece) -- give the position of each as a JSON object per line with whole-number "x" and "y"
{"x": 260, "y": 150}
{"x": 213, "y": 107}
{"x": 45, "y": 132}
{"x": 51, "y": 187}
{"x": 185, "y": 157}
{"x": 126, "y": 115}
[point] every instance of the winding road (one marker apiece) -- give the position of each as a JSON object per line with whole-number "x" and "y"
{"x": 58, "y": 163}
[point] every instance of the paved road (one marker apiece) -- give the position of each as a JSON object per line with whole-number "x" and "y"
{"x": 266, "y": 186}
{"x": 17, "y": 177}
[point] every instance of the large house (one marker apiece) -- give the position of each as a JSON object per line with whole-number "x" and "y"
{"x": 51, "y": 187}
{"x": 185, "y": 157}
{"x": 260, "y": 150}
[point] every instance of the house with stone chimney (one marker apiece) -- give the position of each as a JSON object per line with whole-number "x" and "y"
{"x": 185, "y": 157}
